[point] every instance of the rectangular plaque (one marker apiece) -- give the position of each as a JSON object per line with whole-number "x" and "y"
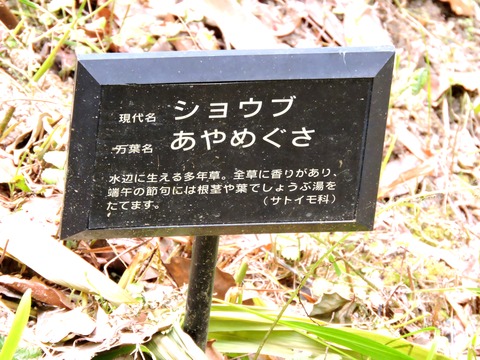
{"x": 212, "y": 143}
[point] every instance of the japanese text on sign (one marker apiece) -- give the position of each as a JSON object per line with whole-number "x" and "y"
{"x": 141, "y": 191}
{"x": 243, "y": 138}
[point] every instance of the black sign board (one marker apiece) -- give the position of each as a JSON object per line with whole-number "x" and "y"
{"x": 213, "y": 143}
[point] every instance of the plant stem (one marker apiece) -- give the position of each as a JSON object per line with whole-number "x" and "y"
{"x": 6, "y": 119}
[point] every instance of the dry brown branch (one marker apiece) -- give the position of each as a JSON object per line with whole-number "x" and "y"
{"x": 7, "y": 17}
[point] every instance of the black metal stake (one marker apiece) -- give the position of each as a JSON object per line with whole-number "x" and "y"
{"x": 200, "y": 288}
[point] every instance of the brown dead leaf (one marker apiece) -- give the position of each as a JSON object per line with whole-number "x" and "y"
{"x": 239, "y": 27}
{"x": 212, "y": 353}
{"x": 330, "y": 297}
{"x": 138, "y": 23}
{"x": 179, "y": 270}
{"x": 363, "y": 26}
{"x": 7, "y": 171}
{"x": 469, "y": 80}
{"x": 459, "y": 310}
{"x": 55, "y": 326}
{"x": 31, "y": 134}
{"x": 417, "y": 246}
{"x": 104, "y": 327}
{"x": 467, "y": 150}
{"x": 462, "y": 7}
{"x": 439, "y": 83}
{"x": 139, "y": 264}
{"x": 282, "y": 20}
{"x": 402, "y": 176}
{"x": 411, "y": 142}
{"x": 40, "y": 291}
{"x": 28, "y": 236}
{"x": 322, "y": 15}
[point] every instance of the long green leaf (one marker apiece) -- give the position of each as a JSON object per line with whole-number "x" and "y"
{"x": 285, "y": 344}
{"x": 19, "y": 324}
{"x": 355, "y": 342}
{"x": 241, "y": 327}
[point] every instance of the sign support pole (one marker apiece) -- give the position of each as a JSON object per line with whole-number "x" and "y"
{"x": 200, "y": 288}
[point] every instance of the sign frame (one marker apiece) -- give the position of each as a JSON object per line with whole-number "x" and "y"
{"x": 208, "y": 67}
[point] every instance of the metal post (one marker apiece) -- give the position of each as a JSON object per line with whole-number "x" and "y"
{"x": 200, "y": 288}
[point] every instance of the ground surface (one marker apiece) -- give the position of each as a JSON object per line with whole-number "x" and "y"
{"x": 418, "y": 269}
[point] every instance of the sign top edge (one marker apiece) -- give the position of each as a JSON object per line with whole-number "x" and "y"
{"x": 219, "y": 53}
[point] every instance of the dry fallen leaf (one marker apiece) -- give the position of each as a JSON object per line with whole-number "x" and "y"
{"x": 469, "y": 80}
{"x": 324, "y": 18}
{"x": 212, "y": 353}
{"x": 28, "y": 236}
{"x": 40, "y": 291}
{"x": 281, "y": 21}
{"x": 127, "y": 324}
{"x": 55, "y": 326}
{"x": 34, "y": 134}
{"x": 363, "y": 27}
{"x": 179, "y": 270}
{"x": 331, "y": 297}
{"x": 412, "y": 142}
{"x": 239, "y": 27}
{"x": 7, "y": 171}
{"x": 415, "y": 245}
{"x": 462, "y": 7}
{"x": 401, "y": 176}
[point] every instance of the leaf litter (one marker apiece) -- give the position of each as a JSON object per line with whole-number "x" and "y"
{"x": 419, "y": 268}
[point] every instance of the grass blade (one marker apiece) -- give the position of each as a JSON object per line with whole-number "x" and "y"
{"x": 242, "y": 327}
{"x": 19, "y": 324}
